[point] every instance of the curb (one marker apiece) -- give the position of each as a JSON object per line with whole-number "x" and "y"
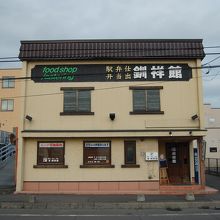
{"x": 110, "y": 205}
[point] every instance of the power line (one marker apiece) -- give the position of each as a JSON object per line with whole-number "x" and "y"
{"x": 212, "y": 47}
{"x": 106, "y": 88}
{"x": 217, "y": 53}
{"x": 214, "y": 76}
{"x": 100, "y": 73}
{"x": 211, "y": 61}
{"x": 148, "y": 49}
{"x": 3, "y": 58}
{"x": 9, "y": 61}
{"x": 110, "y": 52}
{"x": 98, "y": 56}
{"x": 122, "y": 49}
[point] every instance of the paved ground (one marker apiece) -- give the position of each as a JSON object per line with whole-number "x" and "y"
{"x": 211, "y": 201}
{"x": 7, "y": 173}
{"x": 106, "y": 202}
{"x": 113, "y": 214}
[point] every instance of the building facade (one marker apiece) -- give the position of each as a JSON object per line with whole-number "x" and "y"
{"x": 10, "y": 91}
{"x": 212, "y": 124}
{"x": 97, "y": 115}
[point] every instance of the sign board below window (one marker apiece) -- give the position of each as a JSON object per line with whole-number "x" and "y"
{"x": 93, "y": 144}
{"x": 49, "y": 145}
{"x": 151, "y": 156}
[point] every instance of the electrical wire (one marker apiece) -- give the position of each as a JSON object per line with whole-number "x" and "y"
{"x": 124, "y": 50}
{"x": 88, "y": 56}
{"x": 217, "y": 53}
{"x": 211, "y": 61}
{"x": 110, "y": 52}
{"x": 4, "y": 58}
{"x": 9, "y": 61}
{"x": 212, "y": 47}
{"x": 101, "y": 73}
{"x": 211, "y": 75}
{"x": 101, "y": 89}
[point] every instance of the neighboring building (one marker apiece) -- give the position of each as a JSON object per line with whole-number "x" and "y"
{"x": 10, "y": 90}
{"x": 212, "y": 124}
{"x": 98, "y": 114}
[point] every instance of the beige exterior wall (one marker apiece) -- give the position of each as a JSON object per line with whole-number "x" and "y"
{"x": 179, "y": 101}
{"x": 10, "y": 119}
{"x": 74, "y": 147}
{"x": 212, "y": 123}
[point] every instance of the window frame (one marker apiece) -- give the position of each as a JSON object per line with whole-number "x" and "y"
{"x": 126, "y": 163}
{"x": 77, "y": 112}
{"x": 50, "y": 165}
{"x": 7, "y": 110}
{"x": 104, "y": 165}
{"x": 8, "y": 78}
{"x": 145, "y": 88}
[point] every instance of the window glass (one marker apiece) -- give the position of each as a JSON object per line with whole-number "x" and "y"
{"x": 50, "y": 153}
{"x": 153, "y": 100}
{"x": 97, "y": 153}
{"x": 7, "y": 105}
{"x": 84, "y": 101}
{"x": 10, "y": 105}
{"x": 70, "y": 103}
{"x": 139, "y": 100}
{"x": 130, "y": 152}
{"x": 4, "y": 105}
{"x": 8, "y": 82}
{"x": 146, "y": 100}
{"x": 77, "y": 101}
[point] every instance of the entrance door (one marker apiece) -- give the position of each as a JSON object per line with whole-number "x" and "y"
{"x": 178, "y": 161}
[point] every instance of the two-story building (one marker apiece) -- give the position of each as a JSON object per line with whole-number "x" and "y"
{"x": 97, "y": 115}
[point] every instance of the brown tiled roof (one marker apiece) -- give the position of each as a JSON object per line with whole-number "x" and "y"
{"x": 111, "y": 49}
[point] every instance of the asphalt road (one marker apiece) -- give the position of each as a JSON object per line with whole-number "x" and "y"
{"x": 194, "y": 214}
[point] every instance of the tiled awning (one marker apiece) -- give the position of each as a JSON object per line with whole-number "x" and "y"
{"x": 111, "y": 49}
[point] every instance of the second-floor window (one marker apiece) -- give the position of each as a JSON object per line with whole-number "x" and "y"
{"x": 8, "y": 82}
{"x": 77, "y": 101}
{"x": 146, "y": 100}
{"x": 7, "y": 105}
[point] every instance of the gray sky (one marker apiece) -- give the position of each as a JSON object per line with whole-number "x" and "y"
{"x": 113, "y": 19}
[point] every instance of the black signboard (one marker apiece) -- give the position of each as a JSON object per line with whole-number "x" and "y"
{"x": 111, "y": 72}
{"x": 213, "y": 149}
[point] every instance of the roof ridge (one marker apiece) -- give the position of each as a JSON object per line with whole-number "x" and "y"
{"x": 111, "y": 40}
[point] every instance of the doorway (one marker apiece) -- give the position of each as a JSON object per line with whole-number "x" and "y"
{"x": 178, "y": 161}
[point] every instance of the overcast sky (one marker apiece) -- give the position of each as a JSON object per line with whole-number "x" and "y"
{"x": 113, "y": 19}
